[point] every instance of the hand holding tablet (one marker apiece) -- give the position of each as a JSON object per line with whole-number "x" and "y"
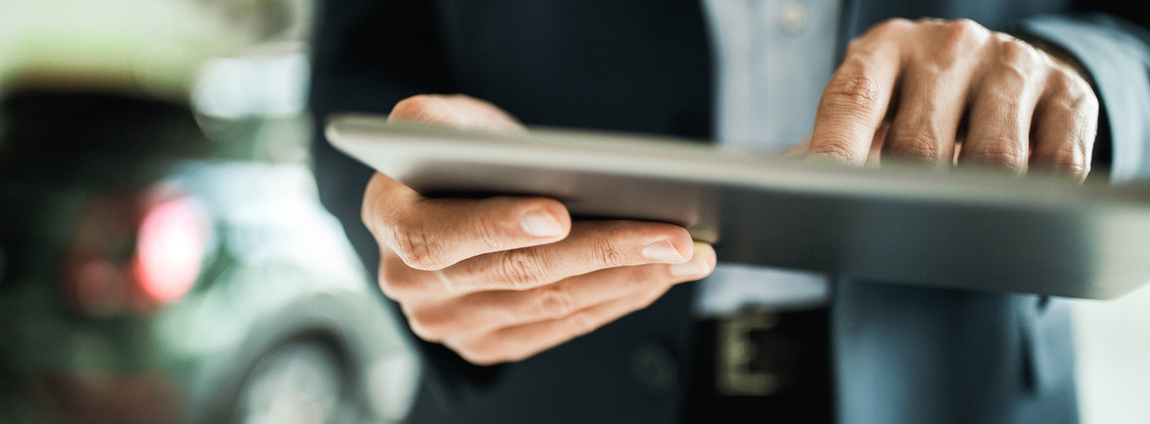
{"x": 502, "y": 278}
{"x": 966, "y": 228}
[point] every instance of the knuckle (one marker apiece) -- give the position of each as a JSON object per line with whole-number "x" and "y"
{"x": 581, "y": 323}
{"x": 965, "y": 28}
{"x": 415, "y": 247}
{"x": 853, "y": 89}
{"x": 960, "y": 36}
{"x": 389, "y": 287}
{"x": 481, "y": 352}
{"x": 1016, "y": 53}
{"x": 890, "y": 26}
{"x": 519, "y": 268}
{"x": 553, "y": 302}
{"x": 865, "y": 46}
{"x": 607, "y": 251}
{"x": 395, "y": 278}
{"x": 425, "y": 332}
{"x": 1063, "y": 80}
{"x": 1066, "y": 75}
{"x": 1000, "y": 150}
{"x": 1012, "y": 75}
{"x": 856, "y": 47}
{"x": 1070, "y": 159}
{"x": 426, "y": 329}
{"x": 838, "y": 149}
{"x": 606, "y": 248}
{"x": 645, "y": 276}
{"x": 488, "y": 232}
{"x": 1066, "y": 83}
{"x": 923, "y": 142}
{"x": 945, "y": 58}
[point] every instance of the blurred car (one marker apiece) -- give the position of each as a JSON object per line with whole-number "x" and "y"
{"x": 145, "y": 279}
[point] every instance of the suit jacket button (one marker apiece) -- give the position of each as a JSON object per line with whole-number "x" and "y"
{"x": 654, "y": 368}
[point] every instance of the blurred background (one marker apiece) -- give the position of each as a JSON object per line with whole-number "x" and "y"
{"x": 163, "y": 255}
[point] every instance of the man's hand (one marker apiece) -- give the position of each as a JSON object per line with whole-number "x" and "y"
{"x": 501, "y": 279}
{"x": 917, "y": 89}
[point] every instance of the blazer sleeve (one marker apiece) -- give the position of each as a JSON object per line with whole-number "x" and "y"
{"x": 1116, "y": 53}
{"x": 367, "y": 55}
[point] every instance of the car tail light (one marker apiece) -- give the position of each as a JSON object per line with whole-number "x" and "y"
{"x": 169, "y": 249}
{"x": 135, "y": 250}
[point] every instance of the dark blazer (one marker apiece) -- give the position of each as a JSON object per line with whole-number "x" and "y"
{"x": 900, "y": 354}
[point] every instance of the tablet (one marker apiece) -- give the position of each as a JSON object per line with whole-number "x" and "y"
{"x": 959, "y": 228}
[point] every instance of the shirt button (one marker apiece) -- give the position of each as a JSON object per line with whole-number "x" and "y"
{"x": 654, "y": 368}
{"x": 792, "y": 16}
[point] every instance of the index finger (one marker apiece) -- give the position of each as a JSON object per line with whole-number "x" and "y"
{"x": 431, "y": 234}
{"x": 854, "y": 102}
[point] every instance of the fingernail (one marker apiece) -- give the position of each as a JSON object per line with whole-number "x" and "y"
{"x": 541, "y": 224}
{"x": 662, "y": 251}
{"x": 689, "y": 268}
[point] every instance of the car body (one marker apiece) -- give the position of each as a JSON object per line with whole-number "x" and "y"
{"x": 278, "y": 310}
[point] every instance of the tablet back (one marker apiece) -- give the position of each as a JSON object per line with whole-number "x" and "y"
{"x": 966, "y": 229}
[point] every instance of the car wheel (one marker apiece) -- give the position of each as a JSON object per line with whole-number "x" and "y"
{"x": 297, "y": 383}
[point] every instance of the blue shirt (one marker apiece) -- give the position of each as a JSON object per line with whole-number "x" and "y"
{"x": 773, "y": 58}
